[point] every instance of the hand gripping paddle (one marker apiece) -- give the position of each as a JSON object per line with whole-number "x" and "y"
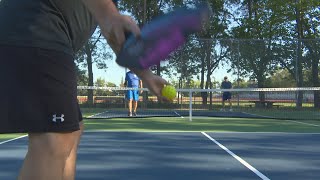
{"x": 161, "y": 37}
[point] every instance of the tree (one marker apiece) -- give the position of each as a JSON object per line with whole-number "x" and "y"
{"x": 82, "y": 78}
{"x": 201, "y": 55}
{"x": 300, "y": 18}
{"x": 214, "y": 51}
{"x": 95, "y": 51}
{"x": 100, "y": 82}
{"x": 285, "y": 33}
{"x": 256, "y": 58}
{"x": 184, "y": 63}
{"x": 280, "y": 79}
{"x": 311, "y": 31}
{"x": 153, "y": 9}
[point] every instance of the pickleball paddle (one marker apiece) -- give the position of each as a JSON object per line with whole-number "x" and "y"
{"x": 161, "y": 37}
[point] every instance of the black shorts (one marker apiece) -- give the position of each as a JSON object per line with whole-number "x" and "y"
{"x": 38, "y": 91}
{"x": 226, "y": 96}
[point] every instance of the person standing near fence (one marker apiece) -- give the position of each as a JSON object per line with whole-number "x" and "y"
{"x": 38, "y": 41}
{"x": 132, "y": 81}
{"x": 226, "y": 95}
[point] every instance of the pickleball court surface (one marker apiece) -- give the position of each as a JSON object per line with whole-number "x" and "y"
{"x": 184, "y": 155}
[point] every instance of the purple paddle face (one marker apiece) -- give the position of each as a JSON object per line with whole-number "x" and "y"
{"x": 160, "y": 38}
{"x": 161, "y": 49}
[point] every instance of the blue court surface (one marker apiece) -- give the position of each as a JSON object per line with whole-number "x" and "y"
{"x": 185, "y": 156}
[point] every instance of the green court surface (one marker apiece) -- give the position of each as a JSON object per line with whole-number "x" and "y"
{"x": 280, "y": 113}
{"x": 4, "y": 137}
{"x": 218, "y": 124}
{"x": 211, "y": 124}
{"x": 288, "y": 113}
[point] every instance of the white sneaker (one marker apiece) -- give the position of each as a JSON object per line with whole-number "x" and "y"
{"x": 230, "y": 109}
{"x": 222, "y": 110}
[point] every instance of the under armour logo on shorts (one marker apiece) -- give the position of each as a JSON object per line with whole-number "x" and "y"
{"x": 55, "y": 118}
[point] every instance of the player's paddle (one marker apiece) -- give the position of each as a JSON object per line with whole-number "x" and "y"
{"x": 161, "y": 36}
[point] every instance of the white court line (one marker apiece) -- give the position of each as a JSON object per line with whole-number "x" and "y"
{"x": 178, "y": 114}
{"x": 216, "y": 132}
{"x": 309, "y": 124}
{"x": 258, "y": 173}
{"x": 3, "y": 142}
{"x": 97, "y": 114}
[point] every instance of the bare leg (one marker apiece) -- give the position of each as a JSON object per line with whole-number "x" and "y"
{"x": 223, "y": 104}
{"x": 130, "y": 105}
{"x": 230, "y": 103}
{"x": 70, "y": 165}
{"x": 135, "y": 105}
{"x": 47, "y": 155}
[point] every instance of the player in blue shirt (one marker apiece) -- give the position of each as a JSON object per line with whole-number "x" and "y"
{"x": 132, "y": 81}
{"x": 226, "y": 84}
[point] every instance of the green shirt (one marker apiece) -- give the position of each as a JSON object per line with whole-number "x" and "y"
{"x": 62, "y": 25}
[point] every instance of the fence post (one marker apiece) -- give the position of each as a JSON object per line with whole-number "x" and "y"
{"x": 190, "y": 105}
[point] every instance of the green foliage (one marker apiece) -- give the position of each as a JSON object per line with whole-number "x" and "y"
{"x": 82, "y": 78}
{"x": 100, "y": 82}
{"x": 286, "y": 42}
{"x": 281, "y": 79}
{"x": 94, "y": 52}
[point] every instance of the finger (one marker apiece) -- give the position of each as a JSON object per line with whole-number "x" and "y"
{"x": 164, "y": 82}
{"x": 164, "y": 99}
{"x": 161, "y": 99}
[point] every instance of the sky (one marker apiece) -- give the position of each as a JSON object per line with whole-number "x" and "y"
{"x": 114, "y": 73}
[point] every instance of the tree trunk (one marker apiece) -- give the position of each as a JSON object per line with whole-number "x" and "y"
{"x": 204, "y": 95}
{"x": 299, "y": 55}
{"x": 262, "y": 96}
{"x": 315, "y": 81}
{"x": 90, "y": 74}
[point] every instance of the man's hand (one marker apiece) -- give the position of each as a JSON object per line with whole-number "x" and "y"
{"x": 140, "y": 85}
{"x": 153, "y": 82}
{"x": 115, "y": 29}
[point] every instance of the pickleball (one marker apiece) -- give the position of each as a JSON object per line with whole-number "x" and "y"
{"x": 169, "y": 92}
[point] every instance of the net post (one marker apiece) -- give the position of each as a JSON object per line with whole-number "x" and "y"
{"x": 190, "y": 105}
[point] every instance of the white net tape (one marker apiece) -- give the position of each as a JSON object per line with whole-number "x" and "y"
{"x": 208, "y": 90}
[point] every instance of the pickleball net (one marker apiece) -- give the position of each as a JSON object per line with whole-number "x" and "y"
{"x": 274, "y": 103}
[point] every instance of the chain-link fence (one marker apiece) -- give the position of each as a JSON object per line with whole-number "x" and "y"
{"x": 251, "y": 62}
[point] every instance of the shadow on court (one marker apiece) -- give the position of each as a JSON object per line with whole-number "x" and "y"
{"x": 155, "y": 156}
